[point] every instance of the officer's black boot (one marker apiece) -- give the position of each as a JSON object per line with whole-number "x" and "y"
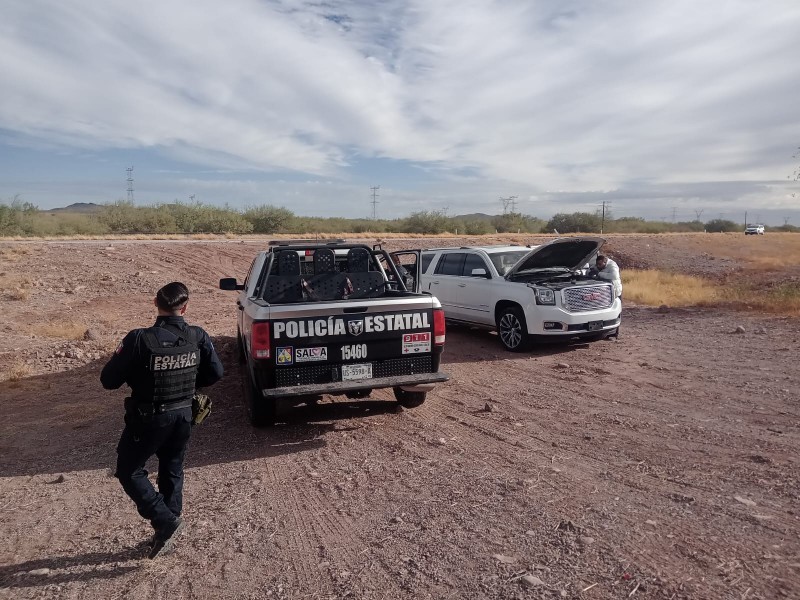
{"x": 164, "y": 538}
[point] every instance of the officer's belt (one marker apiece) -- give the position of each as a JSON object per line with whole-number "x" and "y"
{"x": 157, "y": 409}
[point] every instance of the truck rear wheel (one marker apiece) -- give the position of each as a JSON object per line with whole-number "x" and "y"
{"x": 512, "y": 329}
{"x": 262, "y": 412}
{"x": 408, "y": 399}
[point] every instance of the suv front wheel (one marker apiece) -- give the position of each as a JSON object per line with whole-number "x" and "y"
{"x": 512, "y": 329}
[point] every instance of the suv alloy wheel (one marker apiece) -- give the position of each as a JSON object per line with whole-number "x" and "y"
{"x": 512, "y": 329}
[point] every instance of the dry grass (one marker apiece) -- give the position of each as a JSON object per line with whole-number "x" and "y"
{"x": 17, "y": 371}
{"x": 14, "y": 287}
{"x": 65, "y": 330}
{"x": 14, "y": 253}
{"x": 654, "y": 288}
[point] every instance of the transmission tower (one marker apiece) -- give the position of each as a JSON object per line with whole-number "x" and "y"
{"x": 510, "y": 201}
{"x": 698, "y": 213}
{"x": 191, "y": 198}
{"x": 375, "y": 201}
{"x": 674, "y": 212}
{"x": 130, "y": 184}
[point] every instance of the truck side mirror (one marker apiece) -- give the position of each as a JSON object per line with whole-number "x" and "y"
{"x": 229, "y": 284}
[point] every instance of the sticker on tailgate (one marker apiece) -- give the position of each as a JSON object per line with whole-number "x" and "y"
{"x": 414, "y": 343}
{"x": 284, "y": 355}
{"x": 311, "y": 354}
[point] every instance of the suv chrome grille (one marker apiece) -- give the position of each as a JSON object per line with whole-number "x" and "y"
{"x": 586, "y": 298}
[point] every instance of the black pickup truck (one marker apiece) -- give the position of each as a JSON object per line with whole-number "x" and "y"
{"x": 320, "y": 317}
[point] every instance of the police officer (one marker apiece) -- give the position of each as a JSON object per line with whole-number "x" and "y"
{"x": 162, "y": 365}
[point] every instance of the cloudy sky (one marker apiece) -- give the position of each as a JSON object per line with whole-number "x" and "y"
{"x": 662, "y": 108}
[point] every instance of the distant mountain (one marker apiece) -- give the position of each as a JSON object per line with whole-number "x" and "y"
{"x": 476, "y": 217}
{"x": 78, "y": 207}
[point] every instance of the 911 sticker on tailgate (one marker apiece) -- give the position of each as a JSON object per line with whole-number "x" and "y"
{"x": 414, "y": 343}
{"x": 311, "y": 354}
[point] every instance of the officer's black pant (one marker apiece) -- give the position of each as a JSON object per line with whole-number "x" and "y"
{"x": 166, "y": 435}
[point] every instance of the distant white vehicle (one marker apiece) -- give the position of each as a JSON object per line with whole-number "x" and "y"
{"x": 754, "y": 230}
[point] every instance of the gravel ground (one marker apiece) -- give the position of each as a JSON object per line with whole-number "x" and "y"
{"x": 661, "y": 465}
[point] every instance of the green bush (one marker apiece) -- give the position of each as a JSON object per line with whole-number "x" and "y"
{"x": 722, "y": 225}
{"x": 426, "y": 221}
{"x": 517, "y": 223}
{"x": 574, "y": 223}
{"x": 269, "y": 219}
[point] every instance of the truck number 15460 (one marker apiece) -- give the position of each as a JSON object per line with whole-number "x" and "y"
{"x": 354, "y": 351}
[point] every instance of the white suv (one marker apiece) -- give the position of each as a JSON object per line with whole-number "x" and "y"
{"x": 754, "y": 230}
{"x": 522, "y": 292}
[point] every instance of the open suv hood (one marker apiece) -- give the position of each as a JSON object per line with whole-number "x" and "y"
{"x": 567, "y": 253}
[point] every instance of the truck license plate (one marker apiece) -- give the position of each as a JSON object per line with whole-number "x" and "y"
{"x": 351, "y": 372}
{"x": 594, "y": 325}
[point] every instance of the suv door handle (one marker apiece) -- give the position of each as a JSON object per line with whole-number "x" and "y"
{"x": 462, "y": 285}
{"x": 434, "y": 283}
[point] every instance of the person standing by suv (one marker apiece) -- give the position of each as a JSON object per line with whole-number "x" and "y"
{"x": 162, "y": 365}
{"x": 608, "y": 270}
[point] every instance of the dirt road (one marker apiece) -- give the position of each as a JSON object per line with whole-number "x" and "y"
{"x": 662, "y": 465}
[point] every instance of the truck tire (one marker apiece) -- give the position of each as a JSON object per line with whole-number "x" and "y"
{"x": 512, "y": 329}
{"x": 262, "y": 412}
{"x": 408, "y": 399}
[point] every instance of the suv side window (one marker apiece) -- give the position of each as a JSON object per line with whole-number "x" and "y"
{"x": 426, "y": 261}
{"x": 474, "y": 261}
{"x": 451, "y": 264}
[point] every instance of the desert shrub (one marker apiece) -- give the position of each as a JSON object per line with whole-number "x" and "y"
{"x": 574, "y": 223}
{"x": 269, "y": 219}
{"x": 426, "y": 221}
{"x": 514, "y": 222}
{"x": 17, "y": 217}
{"x": 475, "y": 227}
{"x": 722, "y": 225}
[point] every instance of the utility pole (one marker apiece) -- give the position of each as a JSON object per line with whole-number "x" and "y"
{"x": 605, "y": 208}
{"x": 130, "y": 184}
{"x": 375, "y": 202}
{"x": 785, "y": 220}
{"x": 674, "y": 212}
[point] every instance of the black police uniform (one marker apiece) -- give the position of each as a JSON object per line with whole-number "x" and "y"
{"x": 158, "y": 415}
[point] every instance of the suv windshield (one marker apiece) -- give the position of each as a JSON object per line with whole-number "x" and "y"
{"x": 503, "y": 261}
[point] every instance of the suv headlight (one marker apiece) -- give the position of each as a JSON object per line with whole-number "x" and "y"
{"x": 545, "y": 296}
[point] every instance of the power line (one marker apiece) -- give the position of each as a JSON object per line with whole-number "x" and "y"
{"x": 375, "y": 201}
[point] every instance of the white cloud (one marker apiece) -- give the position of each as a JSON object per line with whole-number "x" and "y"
{"x": 541, "y": 95}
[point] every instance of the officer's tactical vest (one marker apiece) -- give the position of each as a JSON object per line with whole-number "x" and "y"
{"x": 172, "y": 364}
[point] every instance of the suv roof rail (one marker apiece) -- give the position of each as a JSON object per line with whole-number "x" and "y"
{"x": 321, "y": 242}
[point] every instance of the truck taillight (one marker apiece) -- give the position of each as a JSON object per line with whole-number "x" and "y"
{"x": 259, "y": 340}
{"x": 438, "y": 326}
